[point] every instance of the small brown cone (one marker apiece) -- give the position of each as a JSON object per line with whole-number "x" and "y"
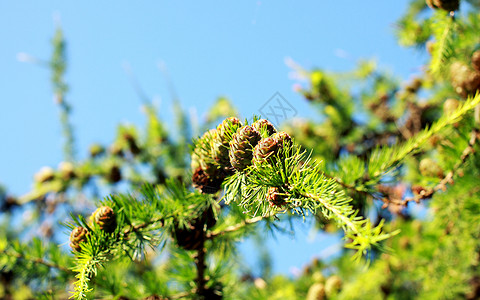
{"x": 465, "y": 80}
{"x": 450, "y": 105}
{"x": 190, "y": 237}
{"x": 114, "y": 174}
{"x": 96, "y": 150}
{"x": 275, "y": 197}
{"x": 448, "y": 5}
{"x": 206, "y": 184}
{"x": 333, "y": 285}
{"x": 265, "y": 128}
{"x": 476, "y": 60}
{"x": 430, "y": 168}
{"x": 44, "y": 175}
{"x": 241, "y": 147}
{"x": 105, "y": 218}
{"x": 67, "y": 170}
{"x": 266, "y": 151}
{"x": 78, "y": 236}
{"x": 132, "y": 144}
{"x": 283, "y": 138}
{"x": 316, "y": 292}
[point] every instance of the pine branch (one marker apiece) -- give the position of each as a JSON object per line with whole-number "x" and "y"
{"x": 448, "y": 178}
{"x": 58, "y": 66}
{"x": 36, "y": 260}
{"x": 443, "y": 30}
{"x": 236, "y": 227}
{"x": 301, "y": 187}
{"x": 86, "y": 269}
{"x": 384, "y": 160}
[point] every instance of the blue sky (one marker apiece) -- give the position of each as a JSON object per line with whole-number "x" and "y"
{"x": 210, "y": 48}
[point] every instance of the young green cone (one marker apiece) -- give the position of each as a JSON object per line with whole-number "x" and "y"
{"x": 78, "y": 235}
{"x": 241, "y": 147}
{"x": 202, "y": 155}
{"x": 220, "y": 147}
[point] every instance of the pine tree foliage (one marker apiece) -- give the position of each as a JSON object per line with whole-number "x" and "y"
{"x": 159, "y": 212}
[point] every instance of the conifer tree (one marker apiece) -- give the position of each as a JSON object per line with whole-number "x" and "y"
{"x": 159, "y": 215}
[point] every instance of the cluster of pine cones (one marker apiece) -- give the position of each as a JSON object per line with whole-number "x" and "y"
{"x": 233, "y": 147}
{"x": 104, "y": 217}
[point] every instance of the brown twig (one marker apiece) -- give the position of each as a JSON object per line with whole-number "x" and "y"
{"x": 135, "y": 228}
{"x": 235, "y": 227}
{"x": 200, "y": 264}
{"x": 38, "y": 260}
{"x": 180, "y": 295}
{"x": 448, "y": 179}
{"x": 346, "y": 186}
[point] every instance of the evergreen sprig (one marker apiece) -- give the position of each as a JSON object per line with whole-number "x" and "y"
{"x": 385, "y": 159}
{"x": 144, "y": 219}
{"x": 444, "y": 30}
{"x": 304, "y": 188}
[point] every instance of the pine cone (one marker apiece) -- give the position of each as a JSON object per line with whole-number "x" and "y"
{"x": 105, "y": 218}
{"x": 448, "y": 5}
{"x": 275, "y": 197}
{"x": 221, "y": 142}
{"x": 116, "y": 149}
{"x": 207, "y": 184}
{"x": 228, "y": 128}
{"x": 430, "y": 45}
{"x": 203, "y": 153}
{"x": 476, "y": 60}
{"x": 414, "y": 86}
{"x": 67, "y": 170}
{"x": 450, "y": 105}
{"x": 132, "y": 144}
{"x": 241, "y": 147}
{"x": 190, "y": 237}
{"x": 114, "y": 174}
{"x": 44, "y": 175}
{"x": 282, "y": 137}
{"x": 214, "y": 292}
{"x": 333, "y": 285}
{"x": 96, "y": 150}
{"x": 266, "y": 151}
{"x": 465, "y": 80}
{"x": 78, "y": 235}
{"x": 316, "y": 292}
{"x": 264, "y": 127}
{"x": 428, "y": 167}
